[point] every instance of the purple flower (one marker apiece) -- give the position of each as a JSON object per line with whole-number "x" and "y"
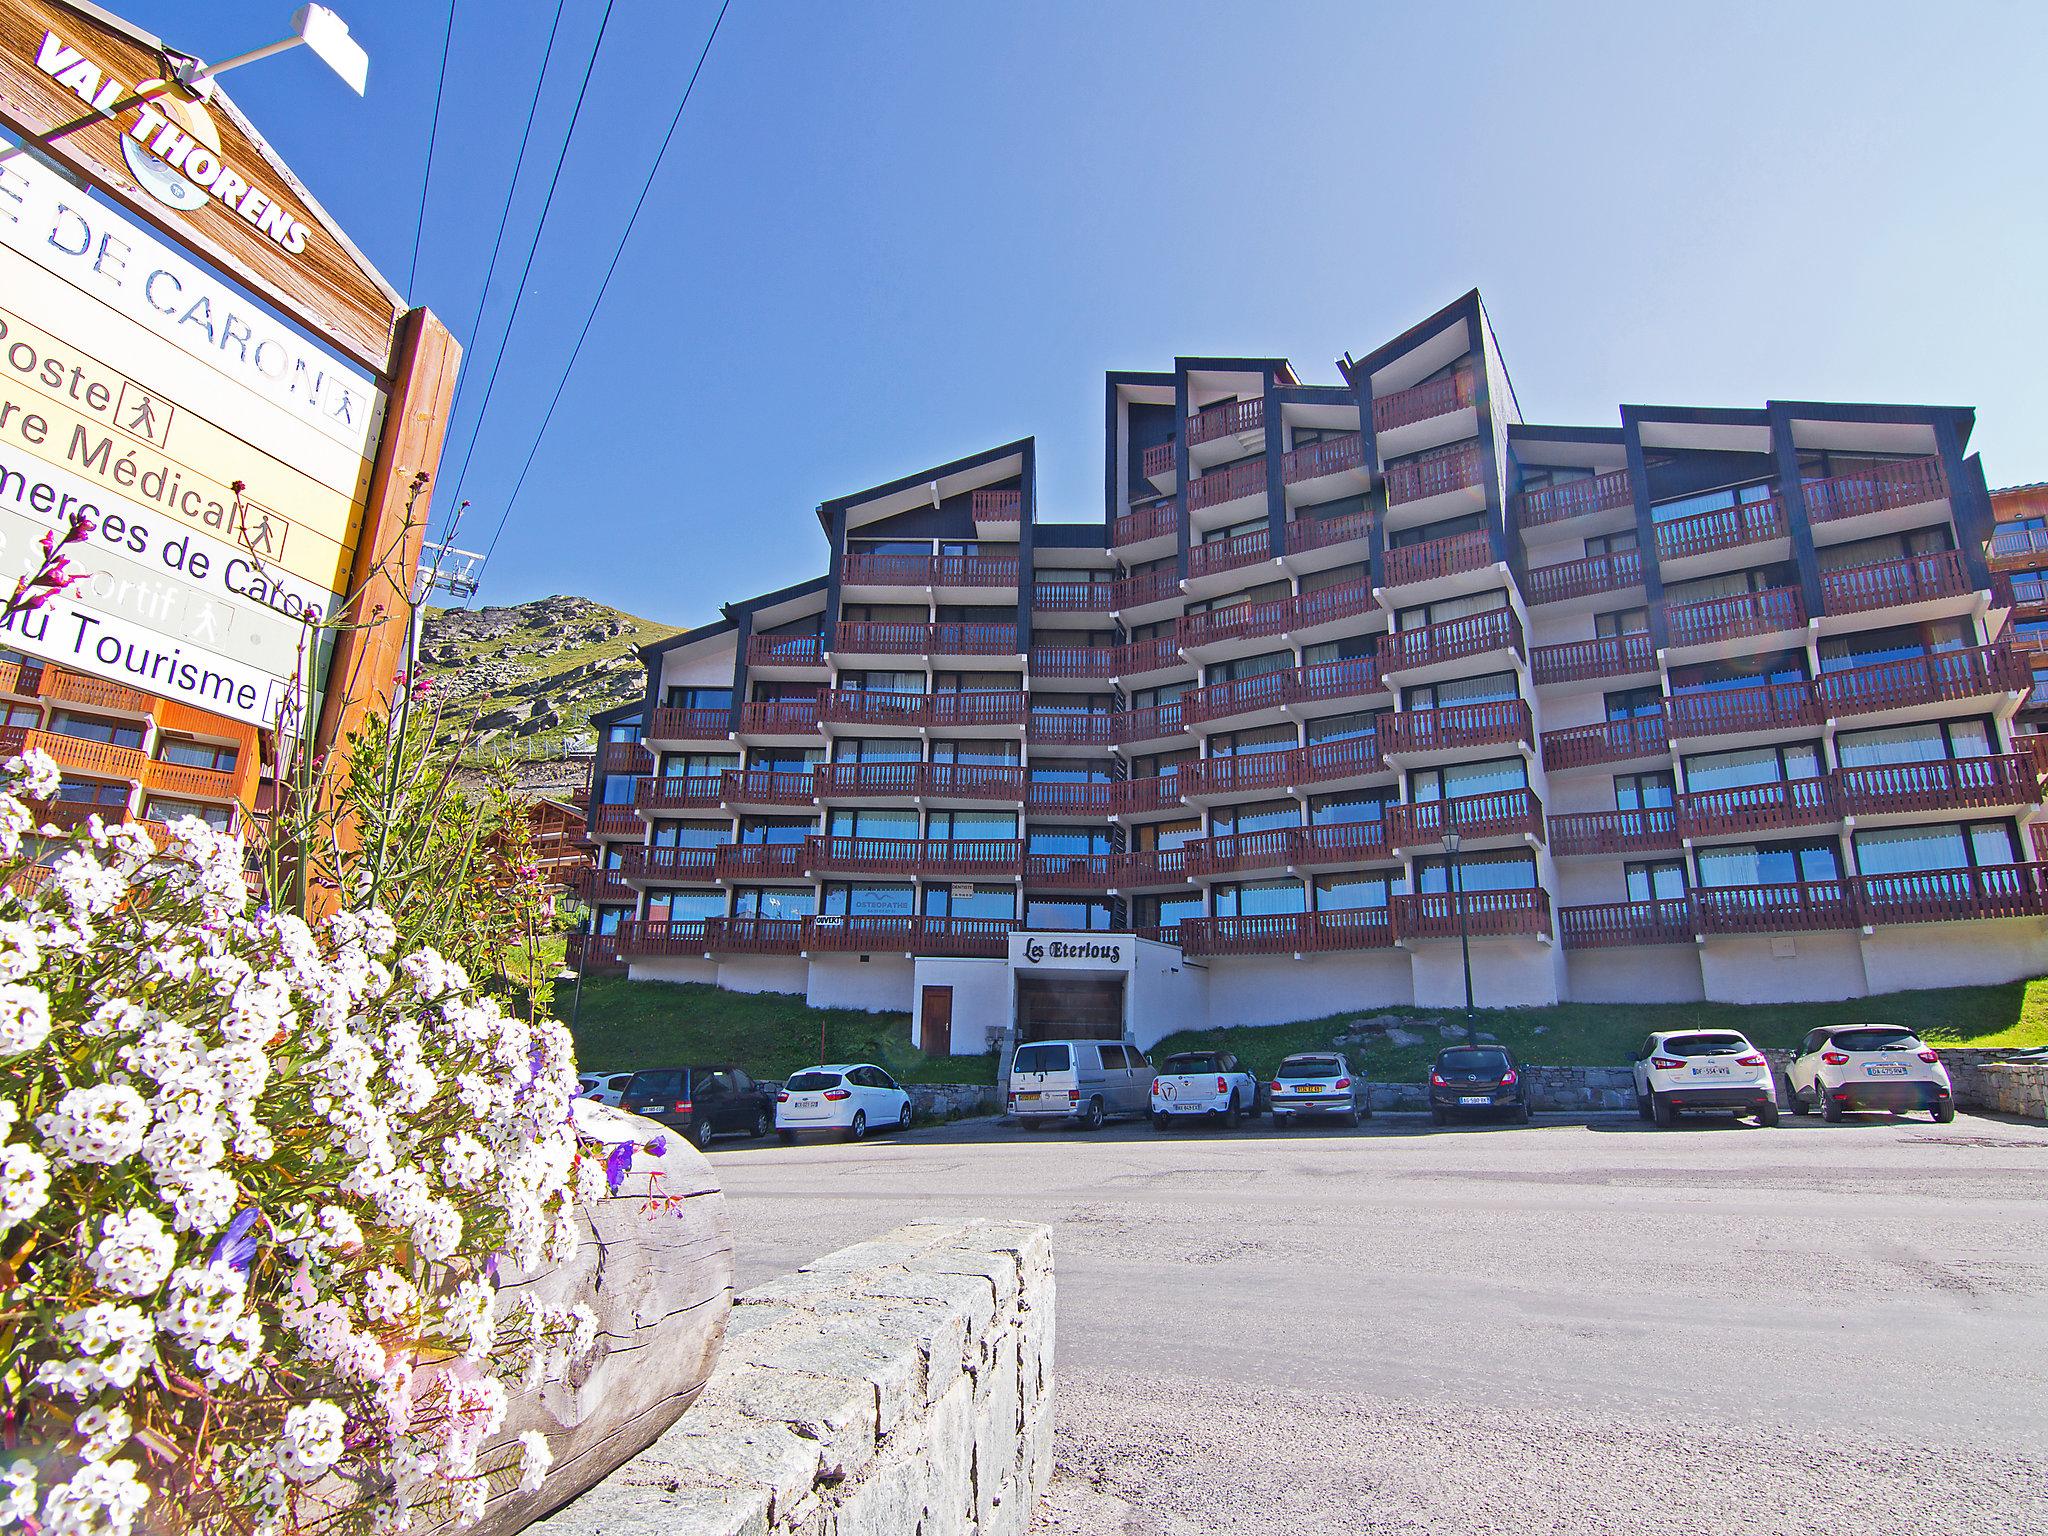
{"x": 238, "y": 1244}
{"x": 617, "y": 1163}
{"x": 491, "y": 1266}
{"x": 658, "y": 1147}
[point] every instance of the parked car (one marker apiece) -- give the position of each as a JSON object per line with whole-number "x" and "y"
{"x": 1317, "y": 1083}
{"x": 1476, "y": 1080}
{"x": 604, "y": 1087}
{"x": 855, "y": 1098}
{"x": 1678, "y": 1069}
{"x": 1083, "y": 1081}
{"x": 1209, "y": 1084}
{"x": 701, "y": 1102}
{"x": 1868, "y": 1066}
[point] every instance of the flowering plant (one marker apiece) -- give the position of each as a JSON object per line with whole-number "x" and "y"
{"x": 256, "y": 1183}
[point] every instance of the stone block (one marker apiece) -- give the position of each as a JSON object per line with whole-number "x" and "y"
{"x": 996, "y": 1426}
{"x": 618, "y": 1510}
{"x": 727, "y": 1450}
{"x": 895, "y": 1366}
{"x": 998, "y": 1269}
{"x": 840, "y": 1415}
{"x": 890, "y": 1500}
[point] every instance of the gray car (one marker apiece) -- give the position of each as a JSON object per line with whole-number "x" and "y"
{"x": 1318, "y": 1083}
{"x": 1082, "y": 1082}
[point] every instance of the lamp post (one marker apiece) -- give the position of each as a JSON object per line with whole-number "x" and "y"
{"x": 1453, "y": 841}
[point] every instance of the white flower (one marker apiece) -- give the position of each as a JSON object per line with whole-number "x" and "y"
{"x": 470, "y": 1312}
{"x": 340, "y": 1229}
{"x": 204, "y": 1305}
{"x": 17, "y": 1494}
{"x": 24, "y": 1018}
{"x": 535, "y": 1458}
{"x": 35, "y": 774}
{"x": 103, "y": 1124}
{"x": 388, "y": 1297}
{"x": 311, "y": 1440}
{"x": 465, "y": 1161}
{"x": 24, "y": 1182}
{"x": 116, "y": 1016}
{"x": 229, "y": 1360}
{"x": 105, "y": 1430}
{"x": 202, "y": 1202}
{"x": 134, "y": 1253}
{"x": 438, "y": 1230}
{"x": 114, "y": 1344}
{"x": 101, "y": 1499}
{"x": 471, "y": 1495}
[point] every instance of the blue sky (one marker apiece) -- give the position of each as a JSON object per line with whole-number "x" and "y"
{"x": 890, "y": 235}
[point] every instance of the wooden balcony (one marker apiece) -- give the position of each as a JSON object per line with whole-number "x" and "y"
{"x": 1936, "y": 678}
{"x": 1486, "y": 915}
{"x": 1106, "y": 871}
{"x": 1331, "y": 456}
{"x": 925, "y": 571}
{"x": 1339, "y": 842}
{"x": 871, "y": 639}
{"x": 689, "y": 725}
{"x": 1953, "y": 895}
{"x": 909, "y": 935}
{"x": 615, "y": 821}
{"x": 1161, "y": 653}
{"x": 1240, "y": 696}
{"x": 624, "y": 757}
{"x": 1758, "y": 808}
{"x": 697, "y": 792}
{"x": 1733, "y": 711}
{"x": 1158, "y": 521}
{"x": 1074, "y": 662}
{"x": 1460, "y": 469}
{"x": 1352, "y": 757}
{"x": 592, "y": 952}
{"x": 186, "y": 782}
{"x": 96, "y": 758}
{"x": 1653, "y": 830}
{"x": 1073, "y": 596}
{"x": 1953, "y": 784}
{"x": 1090, "y": 798}
{"x": 1286, "y": 933}
{"x": 1329, "y": 605}
{"x": 1459, "y": 728}
{"x": 1794, "y": 907}
{"x": 1606, "y": 741}
{"x": 1001, "y": 507}
{"x": 1261, "y": 620}
{"x": 1158, "y": 460}
{"x": 1742, "y": 615}
{"x": 763, "y": 861}
{"x": 950, "y": 711}
{"x": 2018, "y": 549}
{"x": 1589, "y": 577}
{"x": 1894, "y": 583}
{"x": 1508, "y": 813}
{"x": 1472, "y": 634}
{"x": 766, "y": 786}
{"x": 1704, "y": 533}
{"x": 786, "y": 717}
{"x": 1668, "y": 920}
{"x": 1422, "y": 402}
{"x": 642, "y": 940}
{"x": 1243, "y": 852}
{"x": 1457, "y": 555}
{"x": 665, "y": 866}
{"x": 1144, "y": 796}
{"x": 1575, "y": 498}
{"x": 1128, "y": 592}
{"x": 22, "y": 677}
{"x": 1880, "y": 488}
{"x": 754, "y": 935}
{"x": 1071, "y": 728}
{"x": 1240, "y": 774}
{"x": 1232, "y": 418}
{"x": 1220, "y": 555}
{"x": 936, "y": 858}
{"x": 942, "y": 781}
{"x": 1581, "y": 661}
{"x": 1231, "y": 482}
{"x": 1350, "y": 677}
{"x": 63, "y": 686}
{"x": 1154, "y": 722}
{"x": 964, "y": 711}
{"x": 785, "y": 651}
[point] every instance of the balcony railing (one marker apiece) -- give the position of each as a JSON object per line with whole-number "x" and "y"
{"x": 766, "y": 786}
{"x": 1421, "y": 402}
{"x": 1606, "y": 741}
{"x": 1935, "y": 678}
{"x": 1325, "y": 605}
{"x": 1471, "y": 634}
{"x": 1501, "y": 813}
{"x": 1794, "y": 907}
{"x": 1219, "y": 555}
{"x": 663, "y": 864}
{"x": 1073, "y": 596}
{"x": 1757, "y": 807}
{"x": 783, "y": 717}
{"x": 1240, "y": 621}
{"x": 1486, "y": 914}
{"x": 1721, "y": 712}
{"x": 1751, "y": 522}
{"x": 1071, "y": 728}
{"x": 1349, "y": 677}
{"x": 1158, "y": 654}
{"x": 1453, "y": 556}
{"x": 1460, "y": 469}
{"x": 1094, "y": 798}
{"x": 188, "y": 782}
{"x": 591, "y": 951}
{"x": 1350, "y": 757}
{"x": 1615, "y": 571}
{"x": 689, "y": 725}
{"x": 1737, "y": 616}
{"x": 1146, "y": 587}
{"x": 1154, "y": 792}
{"x": 612, "y": 821}
{"x": 1106, "y": 871}
{"x": 949, "y": 639}
{"x": 64, "y": 686}
{"x": 1880, "y": 488}
{"x": 763, "y": 861}
{"x": 2018, "y": 547}
{"x": 1331, "y": 456}
{"x": 1233, "y": 853}
{"x": 754, "y": 935}
{"x": 638, "y": 939}
{"x": 1142, "y": 523}
{"x": 1241, "y": 773}
{"x": 1579, "y": 661}
{"x": 938, "y": 857}
{"x": 1457, "y": 728}
{"x": 955, "y": 711}
{"x": 997, "y": 504}
{"x": 910, "y": 935}
{"x": 1154, "y": 722}
{"x": 1240, "y": 696}
{"x": 1954, "y": 784}
{"x": 1575, "y": 498}
{"x": 697, "y": 792}
{"x": 624, "y": 757}
{"x": 865, "y": 570}
{"x": 785, "y": 651}
{"x": 1230, "y": 419}
{"x": 1339, "y": 842}
{"x": 1158, "y": 460}
{"x": 1892, "y": 583}
{"x": 1073, "y": 661}
{"x": 1284, "y": 933}
{"x": 1954, "y": 895}
{"x": 1651, "y": 830}
{"x": 957, "y": 781}
{"x": 1232, "y": 482}
{"x": 1668, "y": 920}
{"x": 937, "y": 710}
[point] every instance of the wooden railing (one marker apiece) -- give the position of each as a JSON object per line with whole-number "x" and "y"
{"x": 94, "y": 757}
{"x": 1266, "y": 690}
{"x": 1142, "y": 523}
{"x": 1453, "y": 556}
{"x": 1073, "y": 596}
{"x": 1963, "y": 783}
{"x": 1470, "y": 634}
{"x": 1325, "y": 605}
{"x": 1231, "y": 482}
{"x": 1158, "y": 654}
{"x": 640, "y": 938}
{"x": 763, "y": 861}
{"x": 1242, "y": 773}
{"x": 1306, "y": 533}
{"x": 1953, "y": 895}
{"x": 1880, "y": 488}
{"x": 1331, "y": 456}
{"x": 755, "y": 935}
{"x": 591, "y": 951}
{"x": 1230, "y": 419}
{"x": 1233, "y": 853}
{"x": 1757, "y": 807}
{"x": 619, "y": 820}
{"x": 766, "y": 786}
{"x": 1606, "y": 741}
{"x": 624, "y": 757}
{"x": 1574, "y": 498}
{"x": 1106, "y": 871}
{"x": 1340, "y": 842}
{"x": 1578, "y": 661}
{"x": 1750, "y": 522}
{"x": 62, "y": 685}
{"x": 1145, "y": 587}
{"x": 1154, "y": 792}
{"x": 1071, "y": 728}
{"x": 1485, "y": 914}
{"x": 1092, "y": 798}
{"x": 1891, "y": 583}
{"x": 954, "y": 781}
{"x": 188, "y": 782}
{"x": 1718, "y": 712}
{"x": 1740, "y": 614}
{"x": 785, "y": 651}
{"x": 1458, "y": 727}
{"x": 938, "y": 857}
{"x": 1219, "y": 555}
{"x": 911, "y": 935}
{"x": 1652, "y": 830}
{"x": 954, "y": 711}
{"x": 1158, "y": 460}
{"x": 24, "y": 676}
{"x": 1616, "y": 571}
{"x": 1667, "y": 920}
{"x": 697, "y": 792}
{"x": 1351, "y": 757}
{"x": 785, "y": 717}
{"x": 665, "y": 864}
{"x": 1499, "y": 813}
{"x": 1240, "y": 621}
{"x": 1073, "y": 661}
{"x": 1420, "y": 402}
{"x": 866, "y": 570}
{"x": 942, "y": 710}
{"x": 1459, "y": 469}
{"x": 689, "y": 725}
{"x": 997, "y": 505}
{"x": 1789, "y": 908}
{"x": 1286, "y": 933}
{"x": 946, "y": 639}
{"x": 1930, "y": 679}
{"x": 1154, "y": 722}
{"x": 2018, "y": 546}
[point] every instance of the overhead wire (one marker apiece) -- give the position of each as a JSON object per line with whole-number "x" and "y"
{"x": 433, "y": 133}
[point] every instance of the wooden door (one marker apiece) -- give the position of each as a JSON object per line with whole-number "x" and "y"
{"x": 935, "y": 1022}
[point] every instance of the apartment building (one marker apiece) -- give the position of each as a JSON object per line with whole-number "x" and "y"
{"x": 1351, "y": 682}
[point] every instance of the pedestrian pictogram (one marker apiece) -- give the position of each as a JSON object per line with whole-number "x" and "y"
{"x": 263, "y": 531}
{"x": 141, "y": 414}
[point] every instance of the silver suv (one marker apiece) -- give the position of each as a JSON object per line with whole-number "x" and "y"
{"x": 1080, "y": 1081}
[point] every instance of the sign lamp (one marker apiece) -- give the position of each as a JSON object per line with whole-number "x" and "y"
{"x": 315, "y": 26}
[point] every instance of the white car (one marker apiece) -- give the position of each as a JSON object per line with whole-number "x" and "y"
{"x": 1679, "y": 1069}
{"x": 854, "y": 1098}
{"x": 604, "y": 1087}
{"x": 1868, "y": 1066}
{"x": 1203, "y": 1085}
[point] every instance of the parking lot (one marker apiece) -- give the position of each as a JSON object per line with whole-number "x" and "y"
{"x": 1584, "y": 1325}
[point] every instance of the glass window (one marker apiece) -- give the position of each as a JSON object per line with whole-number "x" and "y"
{"x": 1165, "y": 836}
{"x": 1075, "y": 914}
{"x": 1261, "y": 817}
{"x": 873, "y": 821}
{"x": 219, "y": 817}
{"x": 1165, "y": 911}
{"x": 1711, "y": 501}
{"x": 1353, "y": 891}
{"x": 1488, "y": 688}
{"x": 972, "y": 826}
{"x": 690, "y": 696}
{"x": 1930, "y": 742}
{"x": 778, "y": 901}
{"x": 691, "y": 834}
{"x": 1655, "y": 880}
{"x": 843, "y": 899}
{"x": 1634, "y": 703}
{"x": 1272, "y": 738}
{"x": 696, "y": 765}
{"x": 1869, "y": 647}
{"x": 1508, "y": 870}
{"x": 1347, "y": 727}
{"x": 1753, "y": 765}
{"x": 877, "y": 749}
{"x": 996, "y": 901}
{"x": 1768, "y": 863}
{"x": 1349, "y": 806}
{"x": 190, "y": 752}
{"x": 1456, "y": 780}
{"x": 1452, "y": 608}
{"x": 982, "y": 754}
{"x": 1644, "y": 791}
{"x": 1622, "y": 621}
{"x": 116, "y": 733}
{"x": 88, "y": 792}
{"x": 1260, "y": 898}
{"x": 684, "y": 906}
{"x": 1071, "y": 842}
{"x": 1249, "y": 666}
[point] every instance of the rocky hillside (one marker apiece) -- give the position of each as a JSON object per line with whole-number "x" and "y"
{"x": 523, "y": 681}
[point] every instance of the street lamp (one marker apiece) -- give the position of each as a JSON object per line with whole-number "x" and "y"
{"x": 313, "y": 26}
{"x": 1453, "y": 841}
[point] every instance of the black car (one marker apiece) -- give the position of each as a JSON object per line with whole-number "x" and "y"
{"x": 701, "y": 1102}
{"x": 1476, "y": 1080}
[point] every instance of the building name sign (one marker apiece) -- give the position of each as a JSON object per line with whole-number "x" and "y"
{"x": 1082, "y": 951}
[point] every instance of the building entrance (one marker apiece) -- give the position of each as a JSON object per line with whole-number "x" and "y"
{"x": 1070, "y": 1008}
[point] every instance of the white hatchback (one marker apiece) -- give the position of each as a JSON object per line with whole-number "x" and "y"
{"x": 855, "y": 1099}
{"x": 1868, "y": 1066}
{"x": 1703, "y": 1069}
{"x": 604, "y": 1087}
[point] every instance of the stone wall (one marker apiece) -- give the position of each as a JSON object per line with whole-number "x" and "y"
{"x": 2006, "y": 1088}
{"x": 952, "y": 1101}
{"x": 901, "y": 1387}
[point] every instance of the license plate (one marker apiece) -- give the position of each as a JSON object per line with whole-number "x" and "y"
{"x": 1713, "y": 1071}
{"x": 1478, "y": 1098}
{"x": 1309, "y": 1088}
{"x": 1876, "y": 1070}
{"x": 1187, "y": 1109}
{"x": 1030, "y": 1098}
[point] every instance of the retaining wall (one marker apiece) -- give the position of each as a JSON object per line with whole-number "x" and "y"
{"x": 935, "y": 1101}
{"x": 901, "y": 1387}
{"x": 2007, "y": 1088}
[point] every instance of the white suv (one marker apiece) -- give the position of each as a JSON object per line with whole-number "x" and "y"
{"x": 1868, "y": 1066}
{"x": 1703, "y": 1069}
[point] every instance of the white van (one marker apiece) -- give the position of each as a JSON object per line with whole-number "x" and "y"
{"x": 1084, "y": 1081}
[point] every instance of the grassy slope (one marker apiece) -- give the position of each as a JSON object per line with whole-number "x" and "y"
{"x": 638, "y": 1024}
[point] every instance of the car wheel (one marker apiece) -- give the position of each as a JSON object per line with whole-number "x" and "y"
{"x": 859, "y": 1129}
{"x": 788, "y": 1138}
{"x": 1661, "y": 1111}
{"x": 1436, "y": 1117}
{"x": 1522, "y": 1113}
{"x": 1230, "y": 1115}
{"x": 1642, "y": 1106}
{"x": 903, "y": 1122}
{"x": 1032, "y": 1125}
{"x": 1799, "y": 1105}
{"x": 700, "y": 1133}
{"x": 1160, "y": 1122}
{"x": 1095, "y": 1117}
{"x": 760, "y": 1123}
{"x": 1943, "y": 1110}
{"x": 1830, "y": 1106}
{"x": 1280, "y": 1121}
{"x": 1351, "y": 1120}
{"x": 1767, "y": 1115}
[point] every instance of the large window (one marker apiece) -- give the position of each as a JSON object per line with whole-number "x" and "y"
{"x": 993, "y": 753}
{"x": 849, "y": 899}
{"x": 1507, "y": 870}
{"x": 784, "y": 831}
{"x": 218, "y": 817}
{"x": 1249, "y": 666}
{"x": 1352, "y": 890}
{"x": 783, "y": 901}
{"x": 671, "y": 833}
{"x": 1725, "y": 498}
{"x": 873, "y": 821}
{"x": 972, "y": 826}
{"x": 1163, "y": 911}
{"x": 1487, "y": 688}
{"x": 991, "y": 901}
{"x": 695, "y": 765}
{"x": 1867, "y": 647}
{"x": 1068, "y": 913}
{"x": 1345, "y": 727}
{"x": 114, "y": 733}
{"x": 1263, "y": 816}
{"x": 1785, "y": 863}
{"x": 1068, "y": 841}
{"x": 190, "y": 752}
{"x": 691, "y": 696}
{"x": 1931, "y": 742}
{"x": 1165, "y": 836}
{"x": 1260, "y": 898}
{"x": 1456, "y": 780}
{"x": 1429, "y": 533}
{"x": 1349, "y": 807}
{"x": 1654, "y": 879}
{"x": 1271, "y": 738}
{"x": 1443, "y": 611}
{"x": 789, "y": 759}
{"x": 112, "y": 797}
{"x": 1943, "y": 846}
{"x": 684, "y": 906}
{"x": 1753, "y": 765}
{"x": 877, "y": 749}
{"x": 1653, "y": 791}
{"x": 1887, "y": 546}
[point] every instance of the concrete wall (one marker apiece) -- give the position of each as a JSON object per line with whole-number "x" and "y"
{"x": 1783, "y": 968}
{"x": 670, "y": 968}
{"x": 1506, "y": 973}
{"x": 938, "y": 1101}
{"x": 902, "y": 1387}
{"x": 983, "y": 999}
{"x": 1164, "y": 993}
{"x": 1277, "y": 989}
{"x": 763, "y": 973}
{"x": 1650, "y": 973}
{"x": 1976, "y": 954}
{"x": 879, "y": 984}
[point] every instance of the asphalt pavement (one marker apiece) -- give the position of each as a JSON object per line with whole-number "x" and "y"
{"x": 1586, "y": 1325}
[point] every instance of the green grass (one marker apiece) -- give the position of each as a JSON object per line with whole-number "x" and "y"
{"x": 628, "y": 1024}
{"x": 1593, "y": 1034}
